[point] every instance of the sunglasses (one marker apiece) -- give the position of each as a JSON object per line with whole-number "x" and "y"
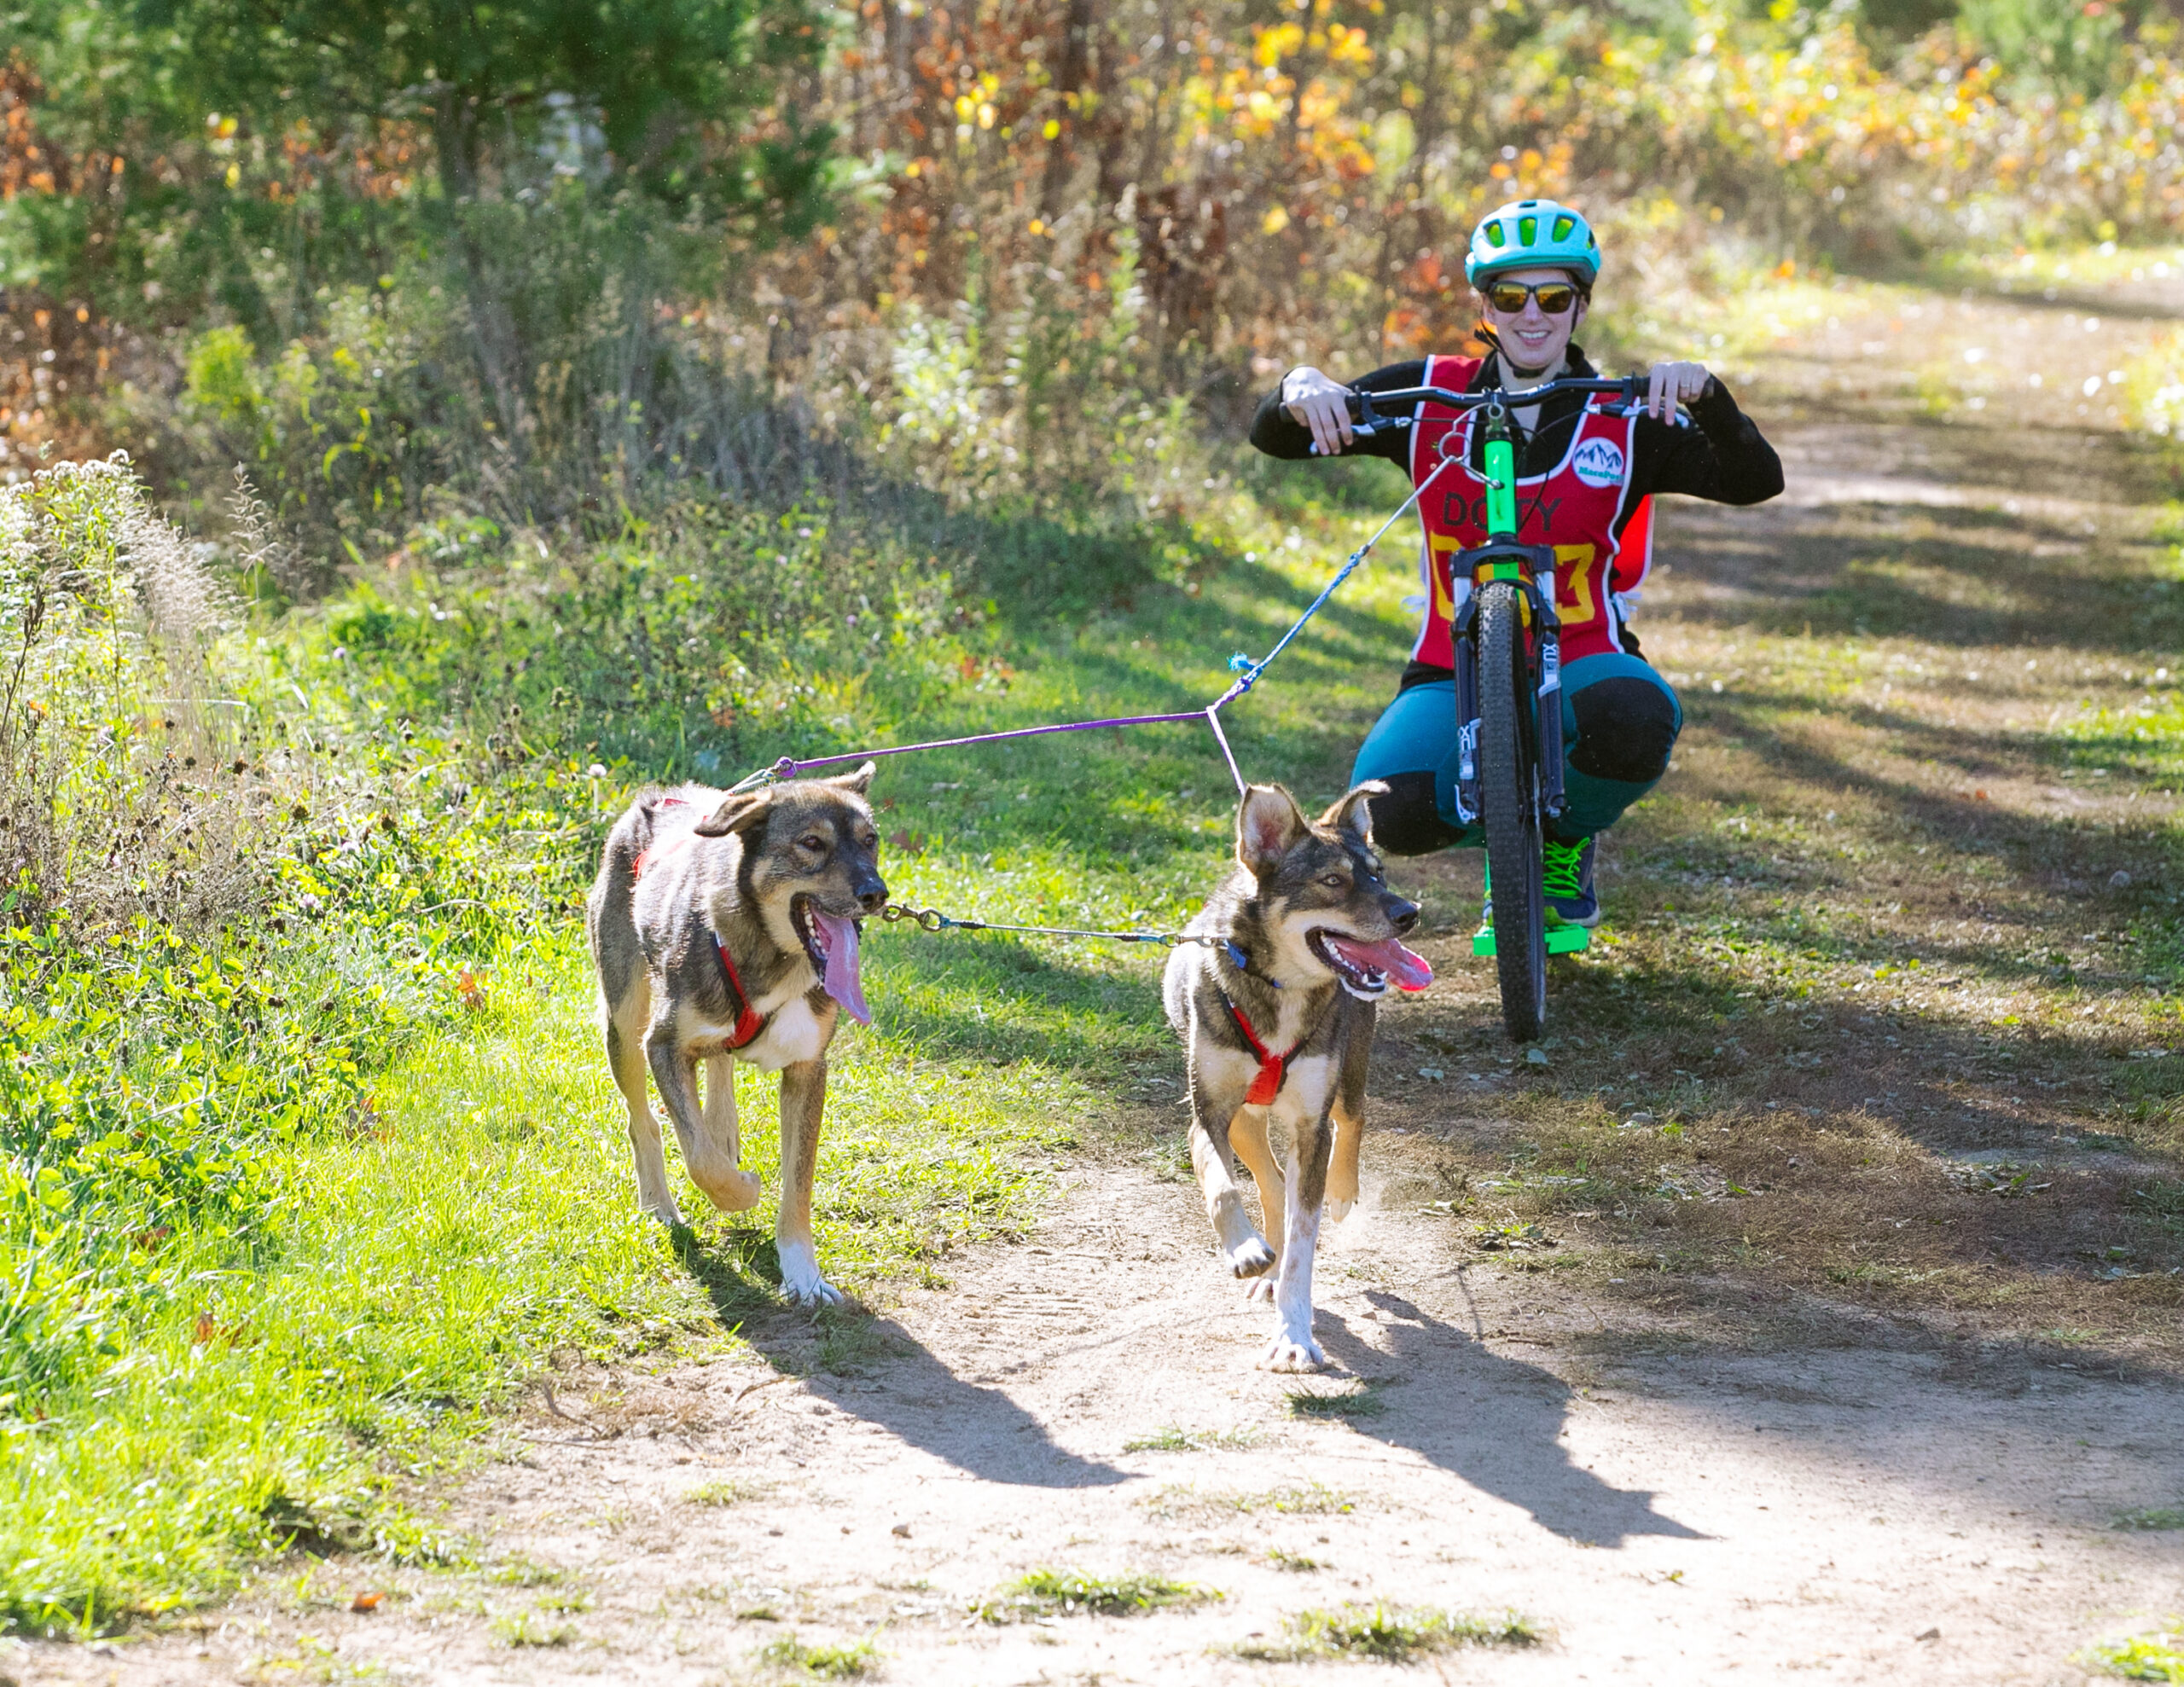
{"x": 1554, "y": 297}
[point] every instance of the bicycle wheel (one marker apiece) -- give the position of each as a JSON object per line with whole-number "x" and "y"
{"x": 1509, "y": 791}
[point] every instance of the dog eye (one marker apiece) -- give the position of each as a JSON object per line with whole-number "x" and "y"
{"x": 812, "y": 840}
{"x": 1335, "y": 881}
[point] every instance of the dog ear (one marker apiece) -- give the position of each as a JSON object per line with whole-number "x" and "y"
{"x": 739, "y": 812}
{"x": 856, "y": 783}
{"x": 1351, "y": 815}
{"x": 1269, "y": 823}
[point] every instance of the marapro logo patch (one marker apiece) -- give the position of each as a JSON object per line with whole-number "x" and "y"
{"x": 1599, "y": 463}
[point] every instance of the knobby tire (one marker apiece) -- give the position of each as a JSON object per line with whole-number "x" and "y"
{"x": 1509, "y": 770}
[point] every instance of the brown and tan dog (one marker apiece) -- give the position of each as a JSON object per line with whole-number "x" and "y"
{"x": 1276, "y": 1012}
{"x": 724, "y": 928}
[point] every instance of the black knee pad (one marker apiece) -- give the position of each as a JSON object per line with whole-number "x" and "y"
{"x": 1407, "y": 822}
{"x": 1626, "y": 726}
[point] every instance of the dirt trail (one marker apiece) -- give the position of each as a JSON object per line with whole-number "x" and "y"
{"x": 1691, "y": 1513}
{"x": 1827, "y": 1486}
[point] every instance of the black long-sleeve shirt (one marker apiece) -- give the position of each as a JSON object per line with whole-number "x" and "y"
{"x": 1724, "y": 458}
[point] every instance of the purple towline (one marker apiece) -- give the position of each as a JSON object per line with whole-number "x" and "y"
{"x": 1247, "y": 673}
{"x": 789, "y": 767}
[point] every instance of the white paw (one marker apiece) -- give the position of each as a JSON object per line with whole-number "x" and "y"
{"x": 1259, "y": 1289}
{"x": 663, "y": 1209}
{"x": 1336, "y": 1211}
{"x": 1251, "y": 1259}
{"x": 814, "y": 1291}
{"x": 1285, "y": 1354}
{"x": 801, "y": 1283}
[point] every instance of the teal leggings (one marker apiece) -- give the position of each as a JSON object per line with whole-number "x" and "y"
{"x": 1619, "y": 723}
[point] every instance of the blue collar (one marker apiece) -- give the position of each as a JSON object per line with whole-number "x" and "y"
{"x": 1242, "y": 963}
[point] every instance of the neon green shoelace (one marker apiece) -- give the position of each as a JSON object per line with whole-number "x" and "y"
{"x": 1558, "y": 866}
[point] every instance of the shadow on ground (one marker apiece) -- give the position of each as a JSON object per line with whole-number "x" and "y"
{"x": 1495, "y": 1421}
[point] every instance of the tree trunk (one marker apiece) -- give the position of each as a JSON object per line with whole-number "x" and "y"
{"x": 1069, "y": 87}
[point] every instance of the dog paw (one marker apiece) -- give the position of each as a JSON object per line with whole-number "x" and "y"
{"x": 732, "y": 1191}
{"x": 1251, "y": 1259}
{"x": 801, "y": 1283}
{"x": 1336, "y": 1211}
{"x": 1259, "y": 1289}
{"x": 664, "y": 1210}
{"x": 1284, "y": 1353}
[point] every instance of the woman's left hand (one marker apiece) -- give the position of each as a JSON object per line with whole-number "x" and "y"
{"x": 1672, "y": 384}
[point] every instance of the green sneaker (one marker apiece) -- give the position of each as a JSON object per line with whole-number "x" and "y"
{"x": 1566, "y": 874}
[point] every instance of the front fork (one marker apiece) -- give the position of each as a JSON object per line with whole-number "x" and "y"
{"x": 1510, "y": 562}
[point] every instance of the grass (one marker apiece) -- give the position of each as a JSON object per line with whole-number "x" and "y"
{"x": 723, "y": 1491}
{"x": 1046, "y": 1593}
{"x": 821, "y": 1663}
{"x": 1391, "y": 1634}
{"x": 519, "y": 1570}
{"x": 2145, "y": 1658}
{"x": 1346, "y": 1404}
{"x": 1174, "y": 1438}
{"x": 1309, "y": 1500}
{"x": 2152, "y": 1518}
{"x": 525, "y": 1629}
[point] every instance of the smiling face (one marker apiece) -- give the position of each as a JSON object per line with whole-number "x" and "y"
{"x": 1320, "y": 895}
{"x": 810, "y": 865}
{"x": 1534, "y": 341}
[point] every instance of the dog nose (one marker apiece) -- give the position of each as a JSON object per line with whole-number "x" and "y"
{"x": 872, "y": 896}
{"x": 1402, "y": 915}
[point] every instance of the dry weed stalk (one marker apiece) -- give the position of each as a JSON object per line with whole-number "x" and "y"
{"x": 124, "y": 790}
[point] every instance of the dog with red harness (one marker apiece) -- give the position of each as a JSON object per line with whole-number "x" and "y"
{"x": 1276, "y": 1001}
{"x": 725, "y": 926}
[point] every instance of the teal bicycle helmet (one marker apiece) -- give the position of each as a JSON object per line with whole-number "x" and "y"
{"x": 1530, "y": 234}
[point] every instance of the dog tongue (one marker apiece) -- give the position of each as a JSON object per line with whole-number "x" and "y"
{"x": 841, "y": 981}
{"x": 1406, "y": 966}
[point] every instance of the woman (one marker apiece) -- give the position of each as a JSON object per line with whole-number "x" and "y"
{"x": 1585, "y": 478}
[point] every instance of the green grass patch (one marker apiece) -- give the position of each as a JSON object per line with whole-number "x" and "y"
{"x": 1346, "y": 1405}
{"x": 1175, "y": 1438}
{"x": 2152, "y": 1519}
{"x": 1389, "y": 1634}
{"x": 1048, "y": 1592}
{"x": 1308, "y": 1499}
{"x": 521, "y": 1629}
{"x": 821, "y": 1663}
{"x": 2145, "y": 1658}
{"x": 724, "y": 1491}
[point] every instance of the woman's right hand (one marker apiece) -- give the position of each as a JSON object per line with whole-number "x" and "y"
{"x": 1321, "y": 405}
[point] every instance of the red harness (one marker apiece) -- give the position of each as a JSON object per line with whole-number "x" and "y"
{"x": 1273, "y": 1067}
{"x": 749, "y": 1024}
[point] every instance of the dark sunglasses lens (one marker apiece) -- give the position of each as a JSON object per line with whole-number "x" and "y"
{"x": 1509, "y": 297}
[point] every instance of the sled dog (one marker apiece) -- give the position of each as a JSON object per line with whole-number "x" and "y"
{"x": 1276, "y": 1012}
{"x": 724, "y": 928}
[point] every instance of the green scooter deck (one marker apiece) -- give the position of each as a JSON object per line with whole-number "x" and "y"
{"x": 1561, "y": 939}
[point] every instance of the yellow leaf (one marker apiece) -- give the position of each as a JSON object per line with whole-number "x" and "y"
{"x": 1276, "y": 220}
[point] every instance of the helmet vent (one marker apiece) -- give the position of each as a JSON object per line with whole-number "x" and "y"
{"x": 1527, "y": 230}
{"x": 1563, "y": 225}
